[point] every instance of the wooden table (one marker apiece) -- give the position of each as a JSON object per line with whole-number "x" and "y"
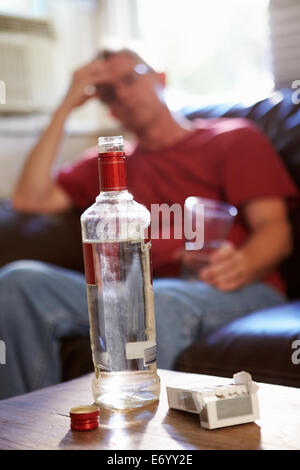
{"x": 40, "y": 420}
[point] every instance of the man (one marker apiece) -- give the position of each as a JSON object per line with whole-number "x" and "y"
{"x": 227, "y": 159}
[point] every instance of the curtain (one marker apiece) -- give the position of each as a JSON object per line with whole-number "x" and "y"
{"x": 118, "y": 23}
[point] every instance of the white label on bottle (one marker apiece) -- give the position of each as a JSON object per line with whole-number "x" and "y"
{"x": 104, "y": 357}
{"x": 150, "y": 355}
{"x": 141, "y": 350}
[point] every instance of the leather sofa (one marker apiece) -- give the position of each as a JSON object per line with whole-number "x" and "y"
{"x": 262, "y": 343}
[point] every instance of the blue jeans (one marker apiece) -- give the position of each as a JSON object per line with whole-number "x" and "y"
{"x": 42, "y": 303}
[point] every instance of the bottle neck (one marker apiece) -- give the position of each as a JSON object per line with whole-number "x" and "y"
{"x": 114, "y": 196}
{"x": 112, "y": 171}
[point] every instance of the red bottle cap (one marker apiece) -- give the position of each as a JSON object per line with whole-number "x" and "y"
{"x": 111, "y": 163}
{"x": 84, "y": 417}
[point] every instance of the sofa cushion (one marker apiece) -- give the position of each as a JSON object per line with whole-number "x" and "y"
{"x": 259, "y": 343}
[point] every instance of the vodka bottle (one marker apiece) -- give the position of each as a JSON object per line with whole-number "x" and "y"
{"x": 119, "y": 288}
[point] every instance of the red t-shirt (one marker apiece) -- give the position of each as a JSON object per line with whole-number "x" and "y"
{"x": 223, "y": 159}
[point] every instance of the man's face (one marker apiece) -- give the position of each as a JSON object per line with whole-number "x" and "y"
{"x": 134, "y": 92}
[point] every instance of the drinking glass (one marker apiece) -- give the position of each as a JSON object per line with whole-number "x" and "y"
{"x": 214, "y": 219}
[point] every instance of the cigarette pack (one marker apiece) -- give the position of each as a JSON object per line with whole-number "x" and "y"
{"x": 221, "y": 405}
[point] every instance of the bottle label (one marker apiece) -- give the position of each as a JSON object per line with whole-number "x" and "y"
{"x": 150, "y": 355}
{"x": 89, "y": 263}
{"x": 142, "y": 350}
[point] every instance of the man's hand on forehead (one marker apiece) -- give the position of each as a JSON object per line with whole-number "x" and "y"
{"x": 98, "y": 71}
{"x": 85, "y": 83}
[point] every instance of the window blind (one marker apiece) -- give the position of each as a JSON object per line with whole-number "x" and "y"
{"x": 285, "y": 41}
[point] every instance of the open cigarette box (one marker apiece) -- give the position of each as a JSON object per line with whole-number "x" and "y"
{"x": 218, "y": 406}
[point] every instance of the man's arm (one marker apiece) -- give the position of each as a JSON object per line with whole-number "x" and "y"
{"x": 36, "y": 189}
{"x": 271, "y": 241}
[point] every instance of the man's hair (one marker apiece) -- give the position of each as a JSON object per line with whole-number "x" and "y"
{"x": 107, "y": 53}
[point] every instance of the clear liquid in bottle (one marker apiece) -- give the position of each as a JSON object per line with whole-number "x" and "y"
{"x": 122, "y": 325}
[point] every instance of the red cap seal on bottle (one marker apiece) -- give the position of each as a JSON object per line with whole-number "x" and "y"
{"x": 111, "y": 163}
{"x": 84, "y": 417}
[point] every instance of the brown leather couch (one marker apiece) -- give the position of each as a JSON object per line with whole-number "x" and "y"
{"x": 260, "y": 343}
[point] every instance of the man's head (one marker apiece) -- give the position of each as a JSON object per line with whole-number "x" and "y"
{"x": 134, "y": 92}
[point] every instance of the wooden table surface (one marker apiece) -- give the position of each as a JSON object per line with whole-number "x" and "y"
{"x": 40, "y": 420}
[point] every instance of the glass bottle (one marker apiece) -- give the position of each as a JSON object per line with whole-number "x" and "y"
{"x": 117, "y": 261}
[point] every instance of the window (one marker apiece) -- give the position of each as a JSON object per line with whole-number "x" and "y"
{"x": 27, "y": 7}
{"x": 209, "y": 47}
{"x": 214, "y": 48}
{"x": 285, "y": 36}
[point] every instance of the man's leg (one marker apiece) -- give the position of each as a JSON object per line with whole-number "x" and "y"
{"x": 187, "y": 311}
{"x": 39, "y": 304}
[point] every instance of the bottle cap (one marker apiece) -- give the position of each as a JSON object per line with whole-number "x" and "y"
{"x": 84, "y": 417}
{"x": 111, "y": 163}
{"x": 108, "y": 144}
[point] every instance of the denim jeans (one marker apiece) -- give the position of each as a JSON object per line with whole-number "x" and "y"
{"x": 42, "y": 303}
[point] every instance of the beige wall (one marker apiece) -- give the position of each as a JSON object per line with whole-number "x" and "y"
{"x": 18, "y": 136}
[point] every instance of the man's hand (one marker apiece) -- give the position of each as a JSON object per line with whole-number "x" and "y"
{"x": 226, "y": 270}
{"x": 83, "y": 83}
{"x": 231, "y": 268}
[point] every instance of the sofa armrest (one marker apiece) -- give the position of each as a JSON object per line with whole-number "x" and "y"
{"x": 259, "y": 343}
{"x": 52, "y": 238}
{"x": 76, "y": 357}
